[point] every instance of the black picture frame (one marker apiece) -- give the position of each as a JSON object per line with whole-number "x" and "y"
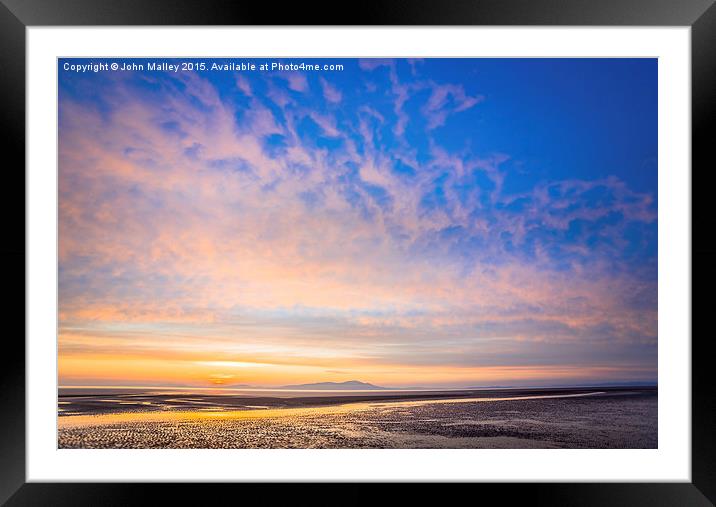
{"x": 16, "y": 15}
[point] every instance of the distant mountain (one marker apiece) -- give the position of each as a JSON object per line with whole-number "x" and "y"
{"x": 349, "y": 385}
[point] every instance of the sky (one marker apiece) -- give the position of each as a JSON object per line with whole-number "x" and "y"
{"x": 432, "y": 223}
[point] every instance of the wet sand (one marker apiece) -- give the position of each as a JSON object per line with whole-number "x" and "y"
{"x": 513, "y": 418}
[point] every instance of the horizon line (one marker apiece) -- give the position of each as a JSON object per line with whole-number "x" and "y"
{"x": 388, "y": 388}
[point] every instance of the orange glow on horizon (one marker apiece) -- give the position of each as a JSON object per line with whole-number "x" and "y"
{"x": 120, "y": 370}
{"x": 216, "y": 234}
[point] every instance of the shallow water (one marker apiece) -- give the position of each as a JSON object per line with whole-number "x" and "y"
{"x": 586, "y": 419}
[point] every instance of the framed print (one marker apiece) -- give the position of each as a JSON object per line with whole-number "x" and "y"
{"x": 436, "y": 245}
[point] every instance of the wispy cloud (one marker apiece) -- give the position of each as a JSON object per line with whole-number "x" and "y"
{"x": 296, "y": 81}
{"x": 330, "y": 93}
{"x": 334, "y": 244}
{"x": 445, "y": 100}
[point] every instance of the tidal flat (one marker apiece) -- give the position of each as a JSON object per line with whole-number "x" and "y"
{"x": 499, "y": 418}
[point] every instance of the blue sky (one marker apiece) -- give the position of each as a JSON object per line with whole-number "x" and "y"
{"x": 438, "y": 221}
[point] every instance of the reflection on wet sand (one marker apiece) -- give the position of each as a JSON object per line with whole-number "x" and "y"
{"x": 603, "y": 418}
{"x": 254, "y": 412}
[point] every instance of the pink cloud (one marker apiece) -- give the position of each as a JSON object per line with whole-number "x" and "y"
{"x": 330, "y": 93}
{"x": 149, "y": 234}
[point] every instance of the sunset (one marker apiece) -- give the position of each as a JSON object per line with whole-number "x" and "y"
{"x": 405, "y": 224}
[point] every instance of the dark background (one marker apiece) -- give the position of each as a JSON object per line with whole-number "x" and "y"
{"x": 15, "y": 15}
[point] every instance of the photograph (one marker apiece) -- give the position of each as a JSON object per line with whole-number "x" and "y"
{"x": 357, "y": 253}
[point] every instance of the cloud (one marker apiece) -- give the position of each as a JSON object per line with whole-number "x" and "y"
{"x": 327, "y": 124}
{"x": 189, "y": 224}
{"x": 296, "y": 81}
{"x": 374, "y": 63}
{"x": 446, "y": 100}
{"x": 330, "y": 93}
{"x": 243, "y": 84}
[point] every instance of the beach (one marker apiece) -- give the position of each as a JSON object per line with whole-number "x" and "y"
{"x": 499, "y": 418}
